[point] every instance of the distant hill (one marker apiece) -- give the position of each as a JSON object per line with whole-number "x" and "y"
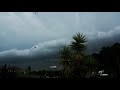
{"x": 96, "y": 44}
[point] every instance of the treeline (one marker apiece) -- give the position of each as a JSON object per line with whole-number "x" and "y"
{"x": 16, "y": 72}
{"x": 48, "y": 74}
{"x": 13, "y": 71}
{"x": 109, "y": 59}
{"x": 7, "y": 72}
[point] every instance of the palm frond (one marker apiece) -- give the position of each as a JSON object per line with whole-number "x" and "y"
{"x": 78, "y": 42}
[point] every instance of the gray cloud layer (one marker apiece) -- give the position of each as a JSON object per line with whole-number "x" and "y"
{"x": 48, "y": 31}
{"x": 36, "y": 57}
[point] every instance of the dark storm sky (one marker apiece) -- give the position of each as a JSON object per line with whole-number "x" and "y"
{"x": 21, "y": 31}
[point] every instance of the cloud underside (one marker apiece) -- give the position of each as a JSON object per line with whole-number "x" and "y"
{"x": 39, "y": 56}
{"x": 46, "y": 54}
{"x": 21, "y": 32}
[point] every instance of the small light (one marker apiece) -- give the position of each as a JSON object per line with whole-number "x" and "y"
{"x": 53, "y": 66}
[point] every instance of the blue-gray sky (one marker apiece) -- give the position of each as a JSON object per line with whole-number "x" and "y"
{"x": 20, "y": 31}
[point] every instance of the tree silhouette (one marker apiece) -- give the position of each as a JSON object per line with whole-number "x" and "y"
{"x": 109, "y": 58}
{"x": 66, "y": 60}
{"x": 91, "y": 64}
{"x": 71, "y": 56}
{"x": 29, "y": 69}
{"x": 78, "y": 46}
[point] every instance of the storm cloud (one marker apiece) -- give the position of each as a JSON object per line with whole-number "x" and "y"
{"x": 20, "y": 32}
{"x": 44, "y": 53}
{"x": 40, "y": 50}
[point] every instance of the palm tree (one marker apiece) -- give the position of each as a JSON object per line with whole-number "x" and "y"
{"x": 66, "y": 60}
{"x": 78, "y": 45}
{"x": 70, "y": 56}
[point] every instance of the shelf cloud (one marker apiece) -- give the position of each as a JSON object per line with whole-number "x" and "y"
{"x": 47, "y": 31}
